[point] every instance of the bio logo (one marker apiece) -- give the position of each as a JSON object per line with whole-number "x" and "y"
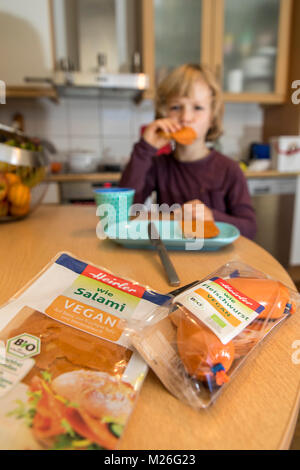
{"x": 197, "y": 303}
{"x": 23, "y": 346}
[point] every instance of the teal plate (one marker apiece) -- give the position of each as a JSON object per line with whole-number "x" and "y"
{"x": 134, "y": 234}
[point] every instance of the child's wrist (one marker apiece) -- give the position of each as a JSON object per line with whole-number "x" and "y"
{"x": 147, "y": 145}
{"x": 150, "y": 142}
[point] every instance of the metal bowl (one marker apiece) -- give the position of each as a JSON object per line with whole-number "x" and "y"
{"x": 31, "y": 167}
{"x": 21, "y": 157}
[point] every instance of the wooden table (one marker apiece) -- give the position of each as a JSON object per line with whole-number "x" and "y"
{"x": 258, "y": 410}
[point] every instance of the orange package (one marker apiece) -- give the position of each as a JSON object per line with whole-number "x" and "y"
{"x": 69, "y": 376}
{"x": 211, "y": 328}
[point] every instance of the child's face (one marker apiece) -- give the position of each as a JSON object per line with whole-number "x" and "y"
{"x": 193, "y": 111}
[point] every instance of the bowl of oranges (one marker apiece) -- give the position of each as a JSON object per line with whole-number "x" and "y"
{"x": 23, "y": 167}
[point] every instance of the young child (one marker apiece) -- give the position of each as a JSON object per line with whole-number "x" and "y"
{"x": 190, "y": 97}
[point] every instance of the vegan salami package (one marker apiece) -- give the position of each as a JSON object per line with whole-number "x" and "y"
{"x": 69, "y": 376}
{"x": 210, "y": 329}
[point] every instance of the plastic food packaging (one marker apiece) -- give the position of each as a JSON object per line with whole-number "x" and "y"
{"x": 210, "y": 329}
{"x": 69, "y": 376}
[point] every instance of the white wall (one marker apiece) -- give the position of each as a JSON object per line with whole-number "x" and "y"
{"x": 110, "y": 127}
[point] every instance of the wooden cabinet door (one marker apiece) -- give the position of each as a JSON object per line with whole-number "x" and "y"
{"x": 26, "y": 47}
{"x": 175, "y": 32}
{"x": 251, "y": 47}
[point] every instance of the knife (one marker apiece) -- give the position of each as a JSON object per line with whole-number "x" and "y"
{"x": 163, "y": 254}
{"x": 182, "y": 289}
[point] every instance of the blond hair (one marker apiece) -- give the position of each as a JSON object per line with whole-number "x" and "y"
{"x": 179, "y": 83}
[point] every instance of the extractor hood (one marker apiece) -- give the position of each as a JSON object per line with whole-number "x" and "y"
{"x": 119, "y": 85}
{"x": 127, "y": 85}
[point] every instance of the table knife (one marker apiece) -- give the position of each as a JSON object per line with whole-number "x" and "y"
{"x": 163, "y": 254}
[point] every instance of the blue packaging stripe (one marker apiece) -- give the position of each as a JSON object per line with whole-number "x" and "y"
{"x": 71, "y": 263}
{"x": 260, "y": 309}
{"x": 158, "y": 299}
{"x": 235, "y": 274}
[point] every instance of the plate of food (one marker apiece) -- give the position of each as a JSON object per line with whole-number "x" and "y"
{"x": 174, "y": 234}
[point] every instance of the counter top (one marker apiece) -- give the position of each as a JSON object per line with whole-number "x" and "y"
{"x": 258, "y": 409}
{"x": 103, "y": 177}
{"x": 271, "y": 174}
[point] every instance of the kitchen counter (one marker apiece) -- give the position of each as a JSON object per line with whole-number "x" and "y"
{"x": 258, "y": 410}
{"x": 110, "y": 176}
{"x": 101, "y": 177}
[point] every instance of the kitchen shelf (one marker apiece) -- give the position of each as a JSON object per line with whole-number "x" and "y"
{"x": 31, "y": 92}
{"x": 101, "y": 177}
{"x": 270, "y": 174}
{"x": 262, "y": 98}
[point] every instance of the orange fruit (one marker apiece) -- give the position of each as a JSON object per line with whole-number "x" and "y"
{"x": 19, "y": 210}
{"x": 3, "y": 208}
{"x": 19, "y": 195}
{"x": 3, "y": 187}
{"x": 12, "y": 178}
{"x": 56, "y": 167}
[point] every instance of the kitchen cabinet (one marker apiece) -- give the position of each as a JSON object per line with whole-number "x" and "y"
{"x": 284, "y": 120}
{"x": 245, "y": 43}
{"x": 96, "y": 35}
{"x": 273, "y": 200}
{"x": 26, "y": 46}
{"x": 41, "y": 38}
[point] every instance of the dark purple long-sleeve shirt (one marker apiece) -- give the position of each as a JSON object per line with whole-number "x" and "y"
{"x": 215, "y": 179}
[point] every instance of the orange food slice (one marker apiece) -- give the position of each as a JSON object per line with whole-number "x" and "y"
{"x": 184, "y": 136}
{"x": 192, "y": 229}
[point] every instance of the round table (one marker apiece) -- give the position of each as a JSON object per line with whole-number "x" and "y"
{"x": 258, "y": 410}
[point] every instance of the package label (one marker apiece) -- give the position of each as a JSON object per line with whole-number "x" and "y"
{"x": 81, "y": 316}
{"x": 221, "y": 307}
{"x": 12, "y": 371}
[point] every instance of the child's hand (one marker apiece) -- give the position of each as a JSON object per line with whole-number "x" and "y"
{"x": 152, "y": 133}
{"x": 190, "y": 209}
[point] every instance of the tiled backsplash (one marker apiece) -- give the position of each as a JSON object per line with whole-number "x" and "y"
{"x": 110, "y": 127}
